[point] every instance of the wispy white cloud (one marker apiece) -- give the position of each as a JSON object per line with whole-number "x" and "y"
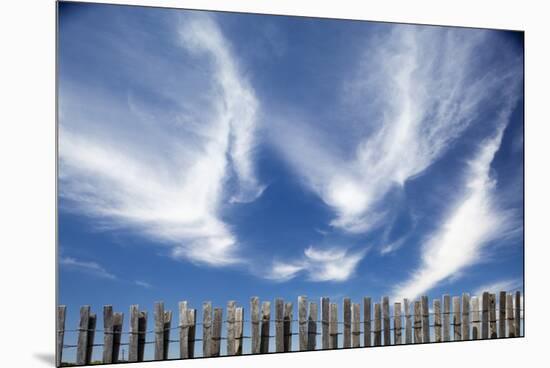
{"x": 473, "y": 222}
{"x": 130, "y": 164}
{"x": 416, "y": 91}
{"x": 143, "y": 284}
{"x": 328, "y": 264}
{"x": 508, "y": 285}
{"x": 91, "y": 268}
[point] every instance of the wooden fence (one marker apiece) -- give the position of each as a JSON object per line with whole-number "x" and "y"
{"x": 459, "y": 318}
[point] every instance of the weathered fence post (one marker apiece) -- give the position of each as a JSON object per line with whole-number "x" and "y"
{"x": 485, "y": 315}
{"x": 91, "y": 335}
{"x": 417, "y": 323}
{"x": 61, "y": 317}
{"x": 239, "y": 328}
{"x": 502, "y": 314}
{"x": 108, "y": 334}
{"x": 159, "y": 331}
{"x": 85, "y": 336}
{"x": 465, "y": 316}
{"x": 184, "y": 330}
{"x": 509, "y": 316}
{"x": 325, "y": 313}
{"x": 266, "y": 315}
{"x": 356, "y": 325}
{"x": 231, "y": 327}
{"x": 492, "y": 316}
{"x": 279, "y": 327}
{"x": 347, "y": 323}
{"x": 255, "y": 321}
{"x": 457, "y": 325}
{"x": 216, "y": 332}
{"x": 118, "y": 320}
{"x": 302, "y": 322}
{"x": 134, "y": 330}
{"x": 288, "y": 327}
{"x": 333, "y": 326}
{"x": 386, "y": 319}
{"x": 367, "y": 321}
{"x": 397, "y": 323}
{"x": 425, "y": 319}
{"x": 312, "y": 326}
{"x": 476, "y": 322}
{"x": 377, "y": 324}
{"x": 437, "y": 320}
{"x": 408, "y": 322}
{"x": 167, "y": 329}
{"x": 142, "y": 334}
{"x": 206, "y": 328}
{"x": 446, "y": 317}
{"x": 517, "y": 315}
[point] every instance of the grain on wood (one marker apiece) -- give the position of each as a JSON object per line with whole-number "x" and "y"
{"x": 386, "y": 320}
{"x": 60, "y": 325}
{"x": 347, "y": 323}
{"x": 279, "y": 327}
{"x": 217, "y": 323}
{"x": 492, "y": 316}
{"x": 437, "y": 320}
{"x": 82, "y": 344}
{"x": 255, "y": 327}
{"x": 417, "y": 322}
{"x": 509, "y": 316}
{"x": 206, "y": 328}
{"x": 377, "y": 324}
{"x": 476, "y": 322}
{"x": 355, "y": 325}
{"x": 107, "y": 334}
{"x": 408, "y": 322}
{"x": 266, "y": 315}
{"x": 287, "y": 330}
{"x": 446, "y": 317}
{"x": 231, "y": 327}
{"x": 517, "y": 314}
{"x": 312, "y": 326}
{"x": 239, "y": 328}
{"x": 425, "y": 319}
{"x": 465, "y": 316}
{"x": 485, "y": 315}
{"x": 457, "y": 320}
{"x": 502, "y": 314}
{"x": 325, "y": 313}
{"x": 367, "y": 321}
{"x": 333, "y": 326}
{"x": 302, "y": 323}
{"x": 397, "y": 329}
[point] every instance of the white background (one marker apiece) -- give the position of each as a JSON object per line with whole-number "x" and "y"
{"x": 27, "y": 183}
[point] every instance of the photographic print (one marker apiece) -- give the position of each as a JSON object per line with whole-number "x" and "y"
{"x": 234, "y": 184}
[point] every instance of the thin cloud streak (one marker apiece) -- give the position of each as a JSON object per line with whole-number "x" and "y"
{"x": 168, "y": 181}
{"x": 508, "y": 285}
{"x": 329, "y": 264}
{"x": 91, "y": 268}
{"x": 473, "y": 222}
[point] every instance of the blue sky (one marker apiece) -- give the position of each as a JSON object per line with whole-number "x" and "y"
{"x": 218, "y": 156}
